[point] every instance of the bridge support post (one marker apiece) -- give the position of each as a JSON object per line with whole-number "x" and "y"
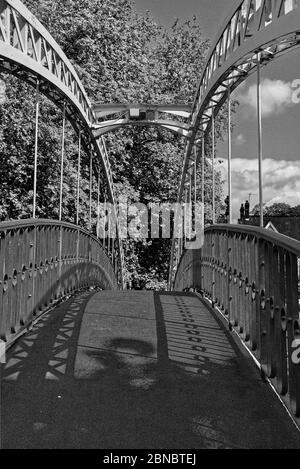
{"x": 213, "y": 276}
{"x": 32, "y": 273}
{"x": 229, "y": 280}
{"x": 262, "y": 332}
{"x": 60, "y": 261}
{"x": 77, "y": 257}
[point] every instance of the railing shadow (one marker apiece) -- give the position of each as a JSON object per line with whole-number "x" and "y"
{"x": 57, "y": 393}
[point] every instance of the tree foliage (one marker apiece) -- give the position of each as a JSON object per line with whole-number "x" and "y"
{"x": 278, "y": 209}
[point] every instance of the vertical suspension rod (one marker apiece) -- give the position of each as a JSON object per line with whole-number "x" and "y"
{"x": 62, "y": 161}
{"x": 78, "y": 178}
{"x": 229, "y": 158}
{"x": 91, "y": 190}
{"x": 259, "y": 128}
{"x": 213, "y": 170}
{"x": 37, "y": 108}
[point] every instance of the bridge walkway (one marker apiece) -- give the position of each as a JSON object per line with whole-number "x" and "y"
{"x": 136, "y": 370}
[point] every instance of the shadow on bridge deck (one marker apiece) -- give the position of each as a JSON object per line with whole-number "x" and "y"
{"x": 136, "y": 370}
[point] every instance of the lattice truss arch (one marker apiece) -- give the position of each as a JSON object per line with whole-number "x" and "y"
{"x": 25, "y": 42}
{"x": 268, "y": 27}
{"x": 28, "y": 51}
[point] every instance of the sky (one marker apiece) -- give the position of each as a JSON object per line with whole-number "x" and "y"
{"x": 210, "y": 13}
{"x": 281, "y": 115}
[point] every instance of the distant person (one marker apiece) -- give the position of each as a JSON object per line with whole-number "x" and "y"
{"x": 247, "y": 210}
{"x": 227, "y": 206}
{"x": 242, "y": 213}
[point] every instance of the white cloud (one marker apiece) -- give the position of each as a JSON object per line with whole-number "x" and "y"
{"x": 276, "y": 97}
{"x": 281, "y": 182}
{"x": 240, "y": 140}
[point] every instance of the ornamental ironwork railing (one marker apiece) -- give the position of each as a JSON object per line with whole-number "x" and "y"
{"x": 251, "y": 276}
{"x": 43, "y": 261}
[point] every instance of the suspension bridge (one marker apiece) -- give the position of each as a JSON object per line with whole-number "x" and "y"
{"x": 210, "y": 364}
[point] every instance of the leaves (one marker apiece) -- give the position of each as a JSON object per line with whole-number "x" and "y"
{"x": 278, "y": 209}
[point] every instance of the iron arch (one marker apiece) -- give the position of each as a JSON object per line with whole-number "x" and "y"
{"x": 268, "y": 27}
{"x": 28, "y": 51}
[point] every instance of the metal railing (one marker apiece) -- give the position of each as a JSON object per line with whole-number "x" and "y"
{"x": 41, "y": 262}
{"x": 251, "y": 275}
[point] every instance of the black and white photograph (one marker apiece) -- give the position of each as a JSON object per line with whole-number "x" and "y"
{"x": 149, "y": 228}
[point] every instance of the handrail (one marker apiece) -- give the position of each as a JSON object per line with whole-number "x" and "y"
{"x": 26, "y": 222}
{"x": 252, "y": 276}
{"x": 42, "y": 261}
{"x": 281, "y": 240}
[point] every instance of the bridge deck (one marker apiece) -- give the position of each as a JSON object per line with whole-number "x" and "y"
{"x": 136, "y": 370}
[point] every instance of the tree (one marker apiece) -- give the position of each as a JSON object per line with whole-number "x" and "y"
{"x": 295, "y": 211}
{"x": 278, "y": 209}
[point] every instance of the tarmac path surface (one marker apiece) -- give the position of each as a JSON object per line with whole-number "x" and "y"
{"x": 125, "y": 370}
